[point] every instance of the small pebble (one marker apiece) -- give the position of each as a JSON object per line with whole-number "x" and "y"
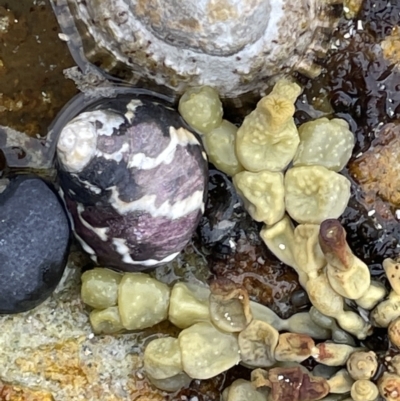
{"x": 34, "y": 239}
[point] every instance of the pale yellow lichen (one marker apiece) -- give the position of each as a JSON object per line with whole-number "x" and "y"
{"x": 243, "y": 390}
{"x": 375, "y": 293}
{"x": 386, "y": 311}
{"x": 332, "y": 354}
{"x": 279, "y": 239}
{"x": 294, "y": 347}
{"x": 308, "y": 253}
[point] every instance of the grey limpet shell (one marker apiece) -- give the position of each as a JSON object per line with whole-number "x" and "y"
{"x": 235, "y": 46}
{"x": 133, "y": 179}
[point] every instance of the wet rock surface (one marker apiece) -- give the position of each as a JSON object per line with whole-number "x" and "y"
{"x": 235, "y": 251}
{"x": 359, "y": 84}
{"x": 34, "y": 238}
{"x": 32, "y": 58}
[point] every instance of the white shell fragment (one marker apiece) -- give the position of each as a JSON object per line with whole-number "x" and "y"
{"x": 257, "y": 344}
{"x": 77, "y": 143}
{"x": 268, "y": 137}
{"x": 262, "y": 194}
{"x": 206, "y": 351}
{"x": 142, "y": 301}
{"x": 314, "y": 194}
{"x": 324, "y": 142}
{"x": 189, "y": 304}
{"x": 201, "y": 108}
{"x": 220, "y": 145}
{"x": 162, "y": 358}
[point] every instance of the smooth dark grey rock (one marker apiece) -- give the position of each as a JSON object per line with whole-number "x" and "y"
{"x": 34, "y": 240}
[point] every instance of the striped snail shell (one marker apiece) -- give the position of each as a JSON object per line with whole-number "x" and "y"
{"x": 133, "y": 179}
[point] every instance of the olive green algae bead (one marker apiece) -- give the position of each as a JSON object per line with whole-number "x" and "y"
{"x": 314, "y": 194}
{"x": 106, "y": 321}
{"x": 206, "y": 351}
{"x": 201, "y": 108}
{"x": 143, "y": 301}
{"x": 220, "y": 148}
{"x": 189, "y": 304}
{"x": 324, "y": 142}
{"x": 100, "y": 288}
{"x": 162, "y": 358}
{"x": 263, "y": 194}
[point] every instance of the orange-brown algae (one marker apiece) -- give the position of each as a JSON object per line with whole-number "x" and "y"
{"x": 377, "y": 171}
{"x": 11, "y": 392}
{"x": 33, "y": 88}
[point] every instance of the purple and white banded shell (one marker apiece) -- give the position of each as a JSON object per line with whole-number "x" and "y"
{"x": 133, "y": 179}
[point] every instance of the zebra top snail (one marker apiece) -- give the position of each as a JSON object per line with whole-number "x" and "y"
{"x": 133, "y": 179}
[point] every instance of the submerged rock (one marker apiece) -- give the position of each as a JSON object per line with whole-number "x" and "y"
{"x": 34, "y": 238}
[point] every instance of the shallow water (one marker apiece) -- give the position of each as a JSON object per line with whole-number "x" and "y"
{"x": 52, "y": 346}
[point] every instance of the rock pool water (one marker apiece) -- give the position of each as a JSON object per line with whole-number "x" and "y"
{"x": 52, "y": 347}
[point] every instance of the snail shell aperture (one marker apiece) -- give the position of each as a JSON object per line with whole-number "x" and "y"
{"x": 235, "y": 46}
{"x": 133, "y": 179}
